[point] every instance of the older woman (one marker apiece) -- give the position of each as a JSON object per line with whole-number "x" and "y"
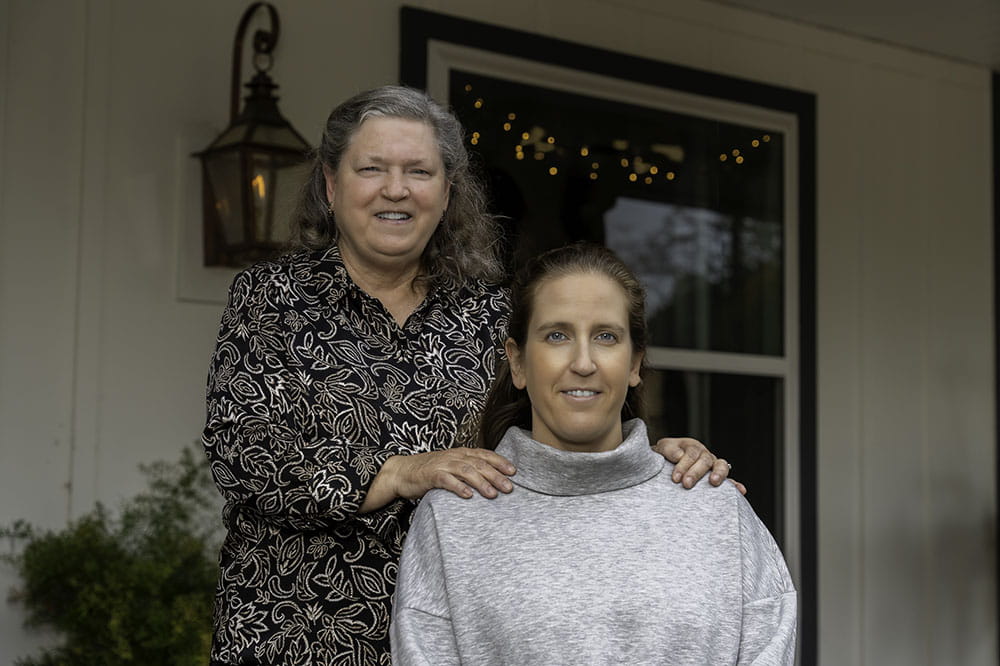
{"x": 345, "y": 373}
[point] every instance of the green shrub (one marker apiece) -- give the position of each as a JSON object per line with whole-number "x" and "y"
{"x": 131, "y": 588}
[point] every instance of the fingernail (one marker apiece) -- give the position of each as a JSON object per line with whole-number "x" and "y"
{"x": 688, "y": 481}
{"x": 715, "y": 478}
{"x": 677, "y": 477}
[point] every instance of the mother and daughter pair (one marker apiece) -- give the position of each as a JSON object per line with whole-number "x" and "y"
{"x": 596, "y": 556}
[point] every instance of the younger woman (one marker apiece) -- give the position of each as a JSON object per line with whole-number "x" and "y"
{"x": 595, "y": 557}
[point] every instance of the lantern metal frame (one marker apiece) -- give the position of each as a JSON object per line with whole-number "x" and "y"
{"x": 258, "y": 137}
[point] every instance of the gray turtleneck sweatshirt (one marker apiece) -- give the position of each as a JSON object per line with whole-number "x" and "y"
{"x": 594, "y": 558}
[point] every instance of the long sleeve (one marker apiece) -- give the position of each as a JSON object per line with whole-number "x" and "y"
{"x": 268, "y": 447}
{"x": 422, "y": 633}
{"x": 769, "y": 598}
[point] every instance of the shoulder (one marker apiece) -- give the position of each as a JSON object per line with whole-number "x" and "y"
{"x": 723, "y": 501}
{"x": 273, "y": 279}
{"x": 475, "y": 294}
{"x": 451, "y": 512}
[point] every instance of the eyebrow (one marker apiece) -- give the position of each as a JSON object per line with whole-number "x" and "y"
{"x": 547, "y": 325}
{"x": 372, "y": 157}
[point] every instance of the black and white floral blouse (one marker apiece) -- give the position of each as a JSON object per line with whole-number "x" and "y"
{"x": 312, "y": 387}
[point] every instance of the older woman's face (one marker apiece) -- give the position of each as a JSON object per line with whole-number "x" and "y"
{"x": 389, "y": 193}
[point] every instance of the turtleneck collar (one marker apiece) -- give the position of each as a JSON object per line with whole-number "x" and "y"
{"x": 551, "y": 471}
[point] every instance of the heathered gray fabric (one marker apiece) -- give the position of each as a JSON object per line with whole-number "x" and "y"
{"x": 592, "y": 559}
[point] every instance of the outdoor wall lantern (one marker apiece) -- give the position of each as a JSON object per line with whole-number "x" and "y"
{"x": 252, "y": 172}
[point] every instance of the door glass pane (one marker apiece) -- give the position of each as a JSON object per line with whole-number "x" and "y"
{"x": 740, "y": 417}
{"x": 694, "y": 204}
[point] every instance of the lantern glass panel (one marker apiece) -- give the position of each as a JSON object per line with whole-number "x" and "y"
{"x": 276, "y": 179}
{"x": 224, "y": 177}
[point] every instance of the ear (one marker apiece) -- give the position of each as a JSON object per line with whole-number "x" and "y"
{"x": 330, "y": 183}
{"x": 634, "y": 378}
{"x": 514, "y": 360}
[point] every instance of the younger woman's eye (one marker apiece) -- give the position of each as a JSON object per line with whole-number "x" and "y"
{"x": 555, "y": 336}
{"x": 607, "y": 336}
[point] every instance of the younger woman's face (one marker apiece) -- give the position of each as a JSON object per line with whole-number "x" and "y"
{"x": 577, "y": 362}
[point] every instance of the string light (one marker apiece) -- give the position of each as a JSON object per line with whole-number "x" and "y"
{"x": 637, "y": 166}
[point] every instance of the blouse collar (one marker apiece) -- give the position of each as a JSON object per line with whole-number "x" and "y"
{"x": 551, "y": 471}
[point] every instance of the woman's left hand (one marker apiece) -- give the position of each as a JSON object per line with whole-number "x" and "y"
{"x": 692, "y": 460}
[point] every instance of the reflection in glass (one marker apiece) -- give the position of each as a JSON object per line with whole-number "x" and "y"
{"x": 713, "y": 281}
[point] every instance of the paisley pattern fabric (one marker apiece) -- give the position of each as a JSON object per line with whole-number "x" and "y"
{"x": 311, "y": 388}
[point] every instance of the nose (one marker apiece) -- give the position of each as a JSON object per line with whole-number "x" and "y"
{"x": 583, "y": 360}
{"x": 395, "y": 188}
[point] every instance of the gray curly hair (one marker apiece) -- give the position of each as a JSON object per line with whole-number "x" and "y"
{"x": 466, "y": 242}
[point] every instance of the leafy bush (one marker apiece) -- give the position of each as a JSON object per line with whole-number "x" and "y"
{"x": 136, "y": 588}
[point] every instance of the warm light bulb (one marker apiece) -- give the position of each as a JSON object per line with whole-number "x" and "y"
{"x": 584, "y": 151}
{"x": 258, "y": 186}
{"x": 553, "y": 171}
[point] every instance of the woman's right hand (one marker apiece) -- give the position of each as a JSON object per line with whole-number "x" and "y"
{"x": 459, "y": 470}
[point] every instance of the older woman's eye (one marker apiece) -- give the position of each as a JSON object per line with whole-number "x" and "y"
{"x": 556, "y": 336}
{"x": 607, "y": 336}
